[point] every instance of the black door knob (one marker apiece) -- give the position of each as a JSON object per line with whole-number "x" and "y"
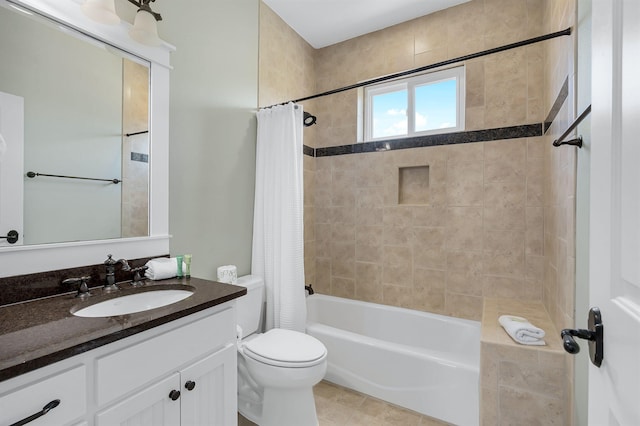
{"x": 174, "y": 394}
{"x": 190, "y": 385}
{"x": 11, "y": 237}
{"x": 594, "y": 335}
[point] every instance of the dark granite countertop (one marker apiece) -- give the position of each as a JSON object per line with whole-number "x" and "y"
{"x": 37, "y": 333}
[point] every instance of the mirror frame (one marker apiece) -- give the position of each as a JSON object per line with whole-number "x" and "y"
{"x": 29, "y": 259}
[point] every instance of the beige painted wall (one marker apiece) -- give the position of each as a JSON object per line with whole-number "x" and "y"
{"x": 212, "y": 130}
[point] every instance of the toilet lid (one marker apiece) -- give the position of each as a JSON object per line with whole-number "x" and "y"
{"x": 285, "y": 348}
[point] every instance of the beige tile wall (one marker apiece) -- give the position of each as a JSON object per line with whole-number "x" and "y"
{"x": 560, "y": 172}
{"x": 499, "y": 220}
{"x": 482, "y": 232}
{"x": 480, "y": 235}
{"x": 521, "y": 385}
{"x": 560, "y": 182}
{"x": 286, "y": 72}
{"x": 287, "y": 62}
{"x": 503, "y": 89}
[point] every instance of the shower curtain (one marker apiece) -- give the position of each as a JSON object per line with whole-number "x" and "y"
{"x": 278, "y": 240}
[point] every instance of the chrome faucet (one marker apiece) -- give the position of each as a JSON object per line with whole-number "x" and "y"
{"x": 110, "y": 280}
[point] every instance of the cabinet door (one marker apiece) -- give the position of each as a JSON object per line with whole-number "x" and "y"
{"x": 150, "y": 407}
{"x": 212, "y": 400}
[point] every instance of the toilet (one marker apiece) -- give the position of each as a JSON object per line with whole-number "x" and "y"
{"x": 276, "y": 369}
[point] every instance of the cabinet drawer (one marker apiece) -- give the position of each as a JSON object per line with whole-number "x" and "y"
{"x": 123, "y": 371}
{"x": 69, "y": 387}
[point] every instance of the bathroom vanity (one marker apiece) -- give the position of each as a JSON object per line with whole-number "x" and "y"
{"x": 171, "y": 365}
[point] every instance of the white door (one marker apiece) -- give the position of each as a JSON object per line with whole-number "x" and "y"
{"x": 11, "y": 160}
{"x": 209, "y": 390}
{"x": 614, "y": 389}
{"x": 157, "y": 405}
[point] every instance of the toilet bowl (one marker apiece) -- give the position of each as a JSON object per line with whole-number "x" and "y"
{"x": 277, "y": 369}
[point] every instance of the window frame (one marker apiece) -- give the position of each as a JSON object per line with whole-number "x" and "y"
{"x": 410, "y": 84}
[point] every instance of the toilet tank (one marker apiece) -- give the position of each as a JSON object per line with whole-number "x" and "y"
{"x": 249, "y": 306}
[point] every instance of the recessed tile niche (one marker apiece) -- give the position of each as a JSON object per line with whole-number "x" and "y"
{"x": 413, "y": 185}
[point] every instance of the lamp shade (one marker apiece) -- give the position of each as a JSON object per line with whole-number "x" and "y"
{"x": 145, "y": 29}
{"x": 102, "y": 11}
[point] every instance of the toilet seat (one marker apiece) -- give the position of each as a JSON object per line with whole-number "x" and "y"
{"x": 285, "y": 348}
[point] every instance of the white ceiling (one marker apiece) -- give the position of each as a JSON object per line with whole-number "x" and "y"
{"x": 325, "y": 22}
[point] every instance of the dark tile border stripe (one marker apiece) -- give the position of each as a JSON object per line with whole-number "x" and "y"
{"x": 562, "y": 96}
{"x": 524, "y": 131}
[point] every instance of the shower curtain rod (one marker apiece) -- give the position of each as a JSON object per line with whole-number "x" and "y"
{"x": 436, "y": 65}
{"x": 577, "y": 141}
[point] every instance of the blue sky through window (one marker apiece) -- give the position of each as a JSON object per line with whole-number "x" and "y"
{"x": 435, "y": 106}
{"x": 390, "y": 114}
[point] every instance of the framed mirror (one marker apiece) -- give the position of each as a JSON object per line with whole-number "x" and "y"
{"x": 86, "y": 131}
{"x": 102, "y": 113}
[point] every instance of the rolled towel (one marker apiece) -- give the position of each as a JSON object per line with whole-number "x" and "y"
{"x": 521, "y": 330}
{"x": 162, "y": 268}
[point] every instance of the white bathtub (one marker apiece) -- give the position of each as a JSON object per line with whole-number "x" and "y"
{"x": 425, "y": 362}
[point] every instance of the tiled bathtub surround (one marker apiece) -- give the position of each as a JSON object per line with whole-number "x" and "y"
{"x": 521, "y": 384}
{"x": 499, "y": 222}
{"x": 560, "y": 183}
{"x": 503, "y": 90}
{"x": 480, "y": 234}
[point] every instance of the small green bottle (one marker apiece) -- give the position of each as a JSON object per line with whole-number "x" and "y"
{"x": 187, "y": 265}
{"x": 179, "y": 260}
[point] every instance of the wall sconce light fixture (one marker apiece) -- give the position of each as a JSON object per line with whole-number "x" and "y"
{"x": 145, "y": 28}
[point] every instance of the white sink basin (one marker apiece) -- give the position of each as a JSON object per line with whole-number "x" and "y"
{"x": 133, "y": 303}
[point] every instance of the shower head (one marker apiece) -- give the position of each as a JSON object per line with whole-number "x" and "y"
{"x": 309, "y": 120}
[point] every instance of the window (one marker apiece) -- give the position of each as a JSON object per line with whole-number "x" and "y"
{"x": 425, "y": 104}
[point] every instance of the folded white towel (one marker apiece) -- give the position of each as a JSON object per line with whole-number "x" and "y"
{"x": 521, "y": 330}
{"x": 162, "y": 268}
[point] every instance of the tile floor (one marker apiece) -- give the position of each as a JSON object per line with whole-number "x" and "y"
{"x": 338, "y": 406}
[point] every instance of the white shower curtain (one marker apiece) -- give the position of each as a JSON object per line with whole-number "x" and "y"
{"x": 278, "y": 240}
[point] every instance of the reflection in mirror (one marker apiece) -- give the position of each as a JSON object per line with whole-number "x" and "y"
{"x": 81, "y": 100}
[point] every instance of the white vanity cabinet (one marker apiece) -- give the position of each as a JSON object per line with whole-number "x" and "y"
{"x": 179, "y": 373}
{"x": 201, "y": 394}
{"x": 208, "y": 344}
